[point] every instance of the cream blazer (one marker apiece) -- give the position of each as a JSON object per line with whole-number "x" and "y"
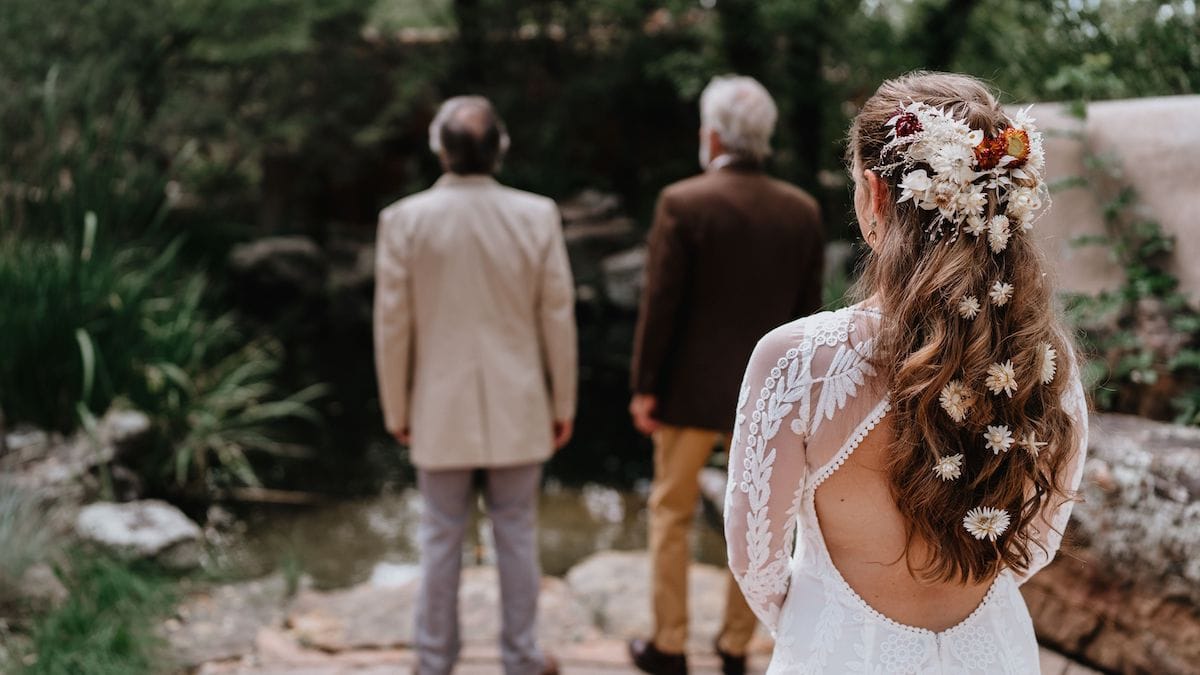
{"x": 475, "y": 341}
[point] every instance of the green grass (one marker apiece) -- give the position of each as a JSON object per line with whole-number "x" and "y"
{"x": 25, "y": 538}
{"x": 107, "y": 624}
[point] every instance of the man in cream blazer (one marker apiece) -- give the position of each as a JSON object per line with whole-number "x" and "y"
{"x": 475, "y": 352}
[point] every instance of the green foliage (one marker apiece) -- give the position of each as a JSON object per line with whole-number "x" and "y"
{"x": 88, "y": 327}
{"x": 1143, "y": 336}
{"x": 107, "y": 624}
{"x": 24, "y": 537}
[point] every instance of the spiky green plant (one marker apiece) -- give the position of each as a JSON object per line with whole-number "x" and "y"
{"x": 25, "y": 539}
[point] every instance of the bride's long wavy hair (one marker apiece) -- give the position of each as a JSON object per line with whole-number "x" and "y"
{"x": 924, "y": 343}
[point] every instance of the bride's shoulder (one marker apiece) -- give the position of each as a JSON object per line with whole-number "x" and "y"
{"x": 854, "y": 323}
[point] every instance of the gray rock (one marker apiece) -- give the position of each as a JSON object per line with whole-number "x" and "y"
{"x": 42, "y": 587}
{"x": 280, "y": 267}
{"x": 624, "y": 276}
{"x": 614, "y": 587}
{"x": 147, "y": 529}
{"x": 379, "y": 617}
{"x": 222, "y": 623}
{"x": 589, "y": 206}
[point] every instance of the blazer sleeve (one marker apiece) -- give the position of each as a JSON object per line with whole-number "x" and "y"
{"x": 809, "y": 298}
{"x": 666, "y": 278}
{"x": 556, "y": 315}
{"x": 393, "y": 324}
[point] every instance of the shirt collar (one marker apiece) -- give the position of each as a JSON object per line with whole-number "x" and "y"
{"x": 449, "y": 179}
{"x": 726, "y": 161}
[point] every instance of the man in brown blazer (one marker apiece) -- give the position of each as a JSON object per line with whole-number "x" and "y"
{"x": 733, "y": 253}
{"x": 476, "y": 359}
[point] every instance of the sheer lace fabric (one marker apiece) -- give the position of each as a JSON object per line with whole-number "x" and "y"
{"x": 809, "y": 397}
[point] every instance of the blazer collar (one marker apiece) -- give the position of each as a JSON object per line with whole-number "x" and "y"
{"x": 449, "y": 179}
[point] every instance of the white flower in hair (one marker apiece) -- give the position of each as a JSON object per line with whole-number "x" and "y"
{"x": 975, "y": 226}
{"x": 949, "y": 467}
{"x": 968, "y": 307}
{"x": 998, "y": 233}
{"x": 913, "y": 186}
{"x": 1022, "y": 202}
{"x": 956, "y": 400}
{"x": 985, "y": 522}
{"x": 1001, "y": 378}
{"x": 1032, "y": 444}
{"x": 1001, "y": 293}
{"x": 998, "y": 438}
{"x": 1049, "y": 363}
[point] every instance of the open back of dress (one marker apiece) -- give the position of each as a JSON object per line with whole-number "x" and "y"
{"x": 809, "y": 400}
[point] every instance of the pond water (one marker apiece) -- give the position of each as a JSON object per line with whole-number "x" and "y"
{"x": 342, "y": 543}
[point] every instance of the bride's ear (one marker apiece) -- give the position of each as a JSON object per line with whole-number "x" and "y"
{"x": 880, "y": 199}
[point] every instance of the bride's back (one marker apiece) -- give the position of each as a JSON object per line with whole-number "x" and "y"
{"x": 865, "y": 535}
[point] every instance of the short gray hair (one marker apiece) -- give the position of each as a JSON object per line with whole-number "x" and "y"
{"x": 742, "y": 113}
{"x": 470, "y": 133}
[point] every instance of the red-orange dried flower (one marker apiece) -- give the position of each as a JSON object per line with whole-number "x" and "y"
{"x": 1016, "y": 143}
{"x": 989, "y": 153}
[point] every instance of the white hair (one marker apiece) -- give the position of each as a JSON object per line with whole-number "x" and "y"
{"x": 742, "y": 113}
{"x": 449, "y": 108}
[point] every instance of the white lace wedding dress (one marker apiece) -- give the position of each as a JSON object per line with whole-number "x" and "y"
{"x": 809, "y": 399}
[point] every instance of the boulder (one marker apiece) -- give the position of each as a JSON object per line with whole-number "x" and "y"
{"x": 148, "y": 529}
{"x": 1124, "y": 594}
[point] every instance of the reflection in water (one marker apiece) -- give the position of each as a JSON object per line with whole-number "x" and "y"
{"x": 341, "y": 543}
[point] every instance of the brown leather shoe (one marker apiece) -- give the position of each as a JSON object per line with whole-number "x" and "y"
{"x": 549, "y": 665}
{"x": 649, "y": 660}
{"x": 730, "y": 664}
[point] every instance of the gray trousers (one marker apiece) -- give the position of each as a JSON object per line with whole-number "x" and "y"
{"x": 510, "y": 495}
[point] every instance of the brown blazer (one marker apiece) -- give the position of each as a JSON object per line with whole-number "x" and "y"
{"x": 475, "y": 345}
{"x": 733, "y": 253}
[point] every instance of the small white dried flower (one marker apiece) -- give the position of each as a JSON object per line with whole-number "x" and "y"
{"x": 968, "y": 307}
{"x": 999, "y": 439}
{"x": 1001, "y": 378}
{"x": 1001, "y": 293}
{"x": 956, "y": 400}
{"x": 998, "y": 233}
{"x": 1032, "y": 444}
{"x": 949, "y": 467}
{"x": 985, "y": 522}
{"x": 975, "y": 226}
{"x": 1049, "y": 363}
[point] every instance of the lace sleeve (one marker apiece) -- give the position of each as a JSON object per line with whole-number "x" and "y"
{"x": 1050, "y": 527}
{"x": 766, "y": 473}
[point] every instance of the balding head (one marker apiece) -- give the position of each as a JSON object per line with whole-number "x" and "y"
{"x": 468, "y": 136}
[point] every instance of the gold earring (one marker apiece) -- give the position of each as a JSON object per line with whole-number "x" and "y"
{"x": 871, "y": 236}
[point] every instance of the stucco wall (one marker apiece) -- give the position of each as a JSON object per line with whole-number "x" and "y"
{"x": 1157, "y": 141}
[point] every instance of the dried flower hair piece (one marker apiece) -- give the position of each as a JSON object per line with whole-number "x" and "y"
{"x": 950, "y": 168}
{"x": 1032, "y": 444}
{"x": 985, "y": 522}
{"x": 998, "y": 438}
{"x": 956, "y": 400}
{"x": 1001, "y": 293}
{"x": 968, "y": 307}
{"x": 949, "y": 467}
{"x": 1049, "y": 363}
{"x": 1002, "y": 378}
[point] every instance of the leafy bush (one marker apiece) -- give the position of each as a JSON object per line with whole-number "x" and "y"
{"x": 85, "y": 328}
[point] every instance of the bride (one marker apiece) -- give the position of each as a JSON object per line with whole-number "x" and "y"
{"x": 901, "y": 466}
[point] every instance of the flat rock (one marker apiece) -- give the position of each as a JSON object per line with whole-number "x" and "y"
{"x": 382, "y": 616}
{"x": 614, "y": 587}
{"x": 148, "y": 529}
{"x": 223, "y": 622}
